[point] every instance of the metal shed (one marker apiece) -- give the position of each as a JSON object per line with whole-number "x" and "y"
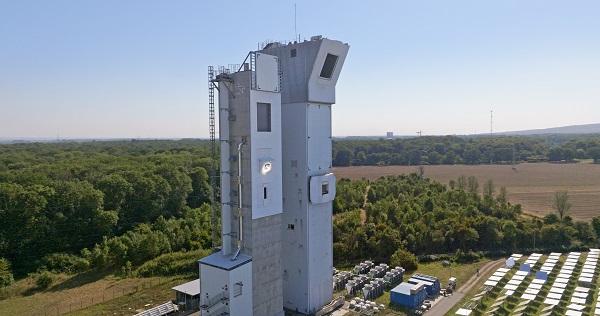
{"x": 408, "y": 295}
{"x": 187, "y": 295}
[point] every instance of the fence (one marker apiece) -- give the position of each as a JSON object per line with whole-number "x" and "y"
{"x": 69, "y": 305}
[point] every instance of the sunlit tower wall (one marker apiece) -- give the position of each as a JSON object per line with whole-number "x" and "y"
{"x": 244, "y": 277}
{"x": 310, "y": 70}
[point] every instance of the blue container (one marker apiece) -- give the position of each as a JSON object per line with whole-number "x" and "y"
{"x": 432, "y": 284}
{"x": 408, "y": 295}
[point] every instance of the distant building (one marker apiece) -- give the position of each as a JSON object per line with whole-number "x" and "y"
{"x": 187, "y": 295}
{"x": 389, "y": 135}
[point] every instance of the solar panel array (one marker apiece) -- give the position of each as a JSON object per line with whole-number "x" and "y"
{"x": 568, "y": 282}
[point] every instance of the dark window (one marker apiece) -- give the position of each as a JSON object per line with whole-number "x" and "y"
{"x": 324, "y": 188}
{"x": 328, "y": 66}
{"x": 291, "y": 226}
{"x": 264, "y": 193}
{"x": 237, "y": 289}
{"x": 263, "y": 117}
{"x": 293, "y": 53}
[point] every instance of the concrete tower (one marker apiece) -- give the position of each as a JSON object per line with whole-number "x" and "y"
{"x": 244, "y": 278}
{"x": 310, "y": 71}
{"x": 277, "y": 185}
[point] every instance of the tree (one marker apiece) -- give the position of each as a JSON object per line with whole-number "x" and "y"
{"x": 43, "y": 280}
{"x": 404, "y": 258}
{"x": 201, "y": 190}
{"x": 594, "y": 153}
{"x": 561, "y": 204}
{"x": 473, "y": 185}
{"x": 115, "y": 189}
{"x": 489, "y": 189}
{"x": 556, "y": 154}
{"x": 343, "y": 157}
{"x": 6, "y": 277}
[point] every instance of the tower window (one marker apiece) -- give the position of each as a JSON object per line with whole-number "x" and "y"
{"x": 328, "y": 66}
{"x": 324, "y": 188}
{"x": 264, "y": 193}
{"x": 293, "y": 53}
{"x": 263, "y": 117}
{"x": 237, "y": 289}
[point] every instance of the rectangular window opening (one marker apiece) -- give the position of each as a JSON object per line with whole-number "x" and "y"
{"x": 237, "y": 289}
{"x": 263, "y": 117}
{"x": 264, "y": 193}
{"x": 324, "y": 188}
{"x": 328, "y": 66}
{"x": 293, "y": 53}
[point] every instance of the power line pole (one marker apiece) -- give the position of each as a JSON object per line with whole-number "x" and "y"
{"x": 491, "y": 122}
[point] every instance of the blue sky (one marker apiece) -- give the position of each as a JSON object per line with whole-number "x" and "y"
{"x": 138, "y": 68}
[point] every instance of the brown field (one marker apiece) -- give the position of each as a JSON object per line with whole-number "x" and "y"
{"x": 530, "y": 184}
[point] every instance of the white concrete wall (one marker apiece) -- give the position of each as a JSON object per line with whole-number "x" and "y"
{"x": 266, "y": 146}
{"x": 322, "y": 90}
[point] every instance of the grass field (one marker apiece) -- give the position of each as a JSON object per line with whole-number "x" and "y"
{"x": 530, "y": 184}
{"x": 88, "y": 295}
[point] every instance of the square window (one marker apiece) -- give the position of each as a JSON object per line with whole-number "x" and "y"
{"x": 324, "y": 188}
{"x": 328, "y": 66}
{"x": 263, "y": 117}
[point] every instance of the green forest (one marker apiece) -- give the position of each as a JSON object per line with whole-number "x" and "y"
{"x": 373, "y": 219}
{"x": 68, "y": 207}
{"x": 449, "y": 150}
{"x": 142, "y": 208}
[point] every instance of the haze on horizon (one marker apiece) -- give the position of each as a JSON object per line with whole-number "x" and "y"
{"x": 113, "y": 69}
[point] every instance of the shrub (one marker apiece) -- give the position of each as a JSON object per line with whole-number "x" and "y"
{"x": 126, "y": 269}
{"x": 43, "y": 280}
{"x": 6, "y": 277}
{"x": 405, "y": 259}
{"x": 469, "y": 256}
{"x": 172, "y": 264}
{"x": 65, "y": 263}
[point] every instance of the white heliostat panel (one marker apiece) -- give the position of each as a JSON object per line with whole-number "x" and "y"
{"x": 267, "y": 73}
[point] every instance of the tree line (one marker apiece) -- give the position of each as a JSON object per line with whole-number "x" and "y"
{"x": 134, "y": 206}
{"x": 425, "y": 217}
{"x": 69, "y": 205}
{"x": 438, "y": 150}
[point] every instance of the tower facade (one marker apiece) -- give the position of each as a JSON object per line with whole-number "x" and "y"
{"x": 277, "y": 185}
{"x": 244, "y": 278}
{"x": 310, "y": 71}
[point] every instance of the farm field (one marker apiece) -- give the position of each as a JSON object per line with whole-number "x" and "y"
{"x": 530, "y": 184}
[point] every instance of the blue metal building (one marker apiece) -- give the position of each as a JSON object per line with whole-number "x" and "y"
{"x": 432, "y": 284}
{"x": 408, "y": 295}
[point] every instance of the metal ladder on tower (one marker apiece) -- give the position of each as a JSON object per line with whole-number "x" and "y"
{"x": 213, "y": 156}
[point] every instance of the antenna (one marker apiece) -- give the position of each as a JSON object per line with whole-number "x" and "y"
{"x": 420, "y": 133}
{"x": 295, "y": 25}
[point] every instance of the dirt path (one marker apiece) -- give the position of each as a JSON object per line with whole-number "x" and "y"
{"x": 363, "y": 212}
{"x": 446, "y": 304}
